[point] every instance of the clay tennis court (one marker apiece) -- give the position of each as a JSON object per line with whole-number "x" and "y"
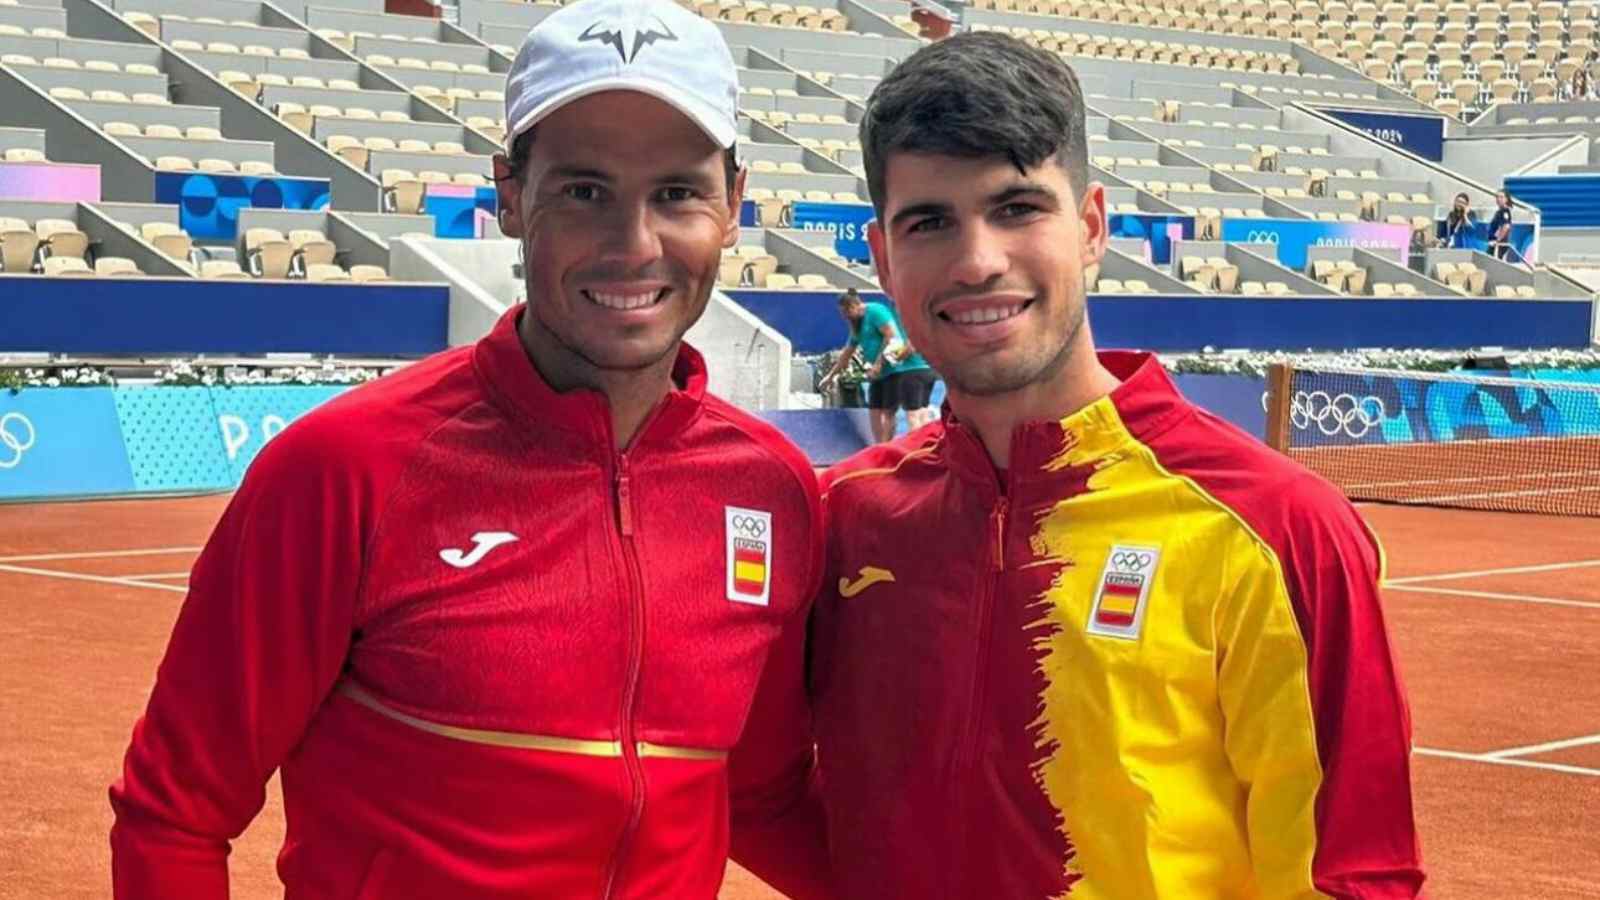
{"x": 1496, "y": 617}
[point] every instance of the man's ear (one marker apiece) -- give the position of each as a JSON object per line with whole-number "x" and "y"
{"x": 508, "y": 194}
{"x": 1095, "y": 228}
{"x": 878, "y": 243}
{"x": 730, "y": 230}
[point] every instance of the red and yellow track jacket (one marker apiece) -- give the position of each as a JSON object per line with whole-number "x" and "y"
{"x": 491, "y": 656}
{"x": 1150, "y": 665}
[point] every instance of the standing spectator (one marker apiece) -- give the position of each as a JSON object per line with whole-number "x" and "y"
{"x": 1500, "y": 227}
{"x": 1460, "y": 223}
{"x": 897, "y": 375}
{"x": 1580, "y": 84}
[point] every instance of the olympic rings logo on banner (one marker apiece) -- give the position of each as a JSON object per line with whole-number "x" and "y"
{"x": 1335, "y": 414}
{"x": 1129, "y": 561}
{"x": 11, "y": 438}
{"x": 1262, "y": 237}
{"x": 751, "y": 525}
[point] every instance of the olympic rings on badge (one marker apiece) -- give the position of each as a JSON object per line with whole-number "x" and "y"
{"x": 11, "y": 438}
{"x": 1128, "y": 559}
{"x": 751, "y": 525}
{"x": 1336, "y": 414}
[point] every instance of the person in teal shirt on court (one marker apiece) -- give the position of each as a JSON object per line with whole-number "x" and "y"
{"x": 897, "y": 375}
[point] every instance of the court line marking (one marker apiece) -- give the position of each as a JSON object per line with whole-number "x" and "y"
{"x": 1491, "y": 595}
{"x": 1479, "y": 479}
{"x": 98, "y": 579}
{"x": 1509, "y": 570}
{"x": 1550, "y": 747}
{"x": 99, "y": 554}
{"x": 158, "y": 576}
{"x": 1503, "y": 761}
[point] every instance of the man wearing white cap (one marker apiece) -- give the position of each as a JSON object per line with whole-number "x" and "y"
{"x": 499, "y": 618}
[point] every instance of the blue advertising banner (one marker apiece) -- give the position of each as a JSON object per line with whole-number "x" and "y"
{"x": 455, "y": 209}
{"x": 1294, "y": 236}
{"x": 185, "y": 315}
{"x": 247, "y": 417}
{"x": 1156, "y": 230}
{"x": 1419, "y": 134}
{"x": 1367, "y": 410}
{"x": 209, "y": 203}
{"x": 1477, "y": 238}
{"x": 61, "y": 442}
{"x": 847, "y": 222}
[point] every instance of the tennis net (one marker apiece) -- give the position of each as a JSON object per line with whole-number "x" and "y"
{"x": 1443, "y": 439}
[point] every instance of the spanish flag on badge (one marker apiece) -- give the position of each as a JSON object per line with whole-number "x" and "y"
{"x": 749, "y": 538}
{"x": 1124, "y": 592}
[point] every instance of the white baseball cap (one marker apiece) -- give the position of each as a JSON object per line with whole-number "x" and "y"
{"x": 655, "y": 47}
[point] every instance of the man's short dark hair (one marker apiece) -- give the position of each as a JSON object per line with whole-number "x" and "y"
{"x": 517, "y": 159}
{"x": 973, "y": 95}
{"x": 849, "y": 297}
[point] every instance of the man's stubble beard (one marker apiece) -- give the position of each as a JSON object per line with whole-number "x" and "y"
{"x": 990, "y": 383}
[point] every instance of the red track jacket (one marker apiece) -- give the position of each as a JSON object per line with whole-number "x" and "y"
{"x": 491, "y": 656}
{"x": 1150, "y": 664}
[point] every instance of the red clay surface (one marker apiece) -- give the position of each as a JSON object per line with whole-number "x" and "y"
{"x": 1567, "y": 584}
{"x": 1484, "y": 675}
{"x": 1587, "y": 756}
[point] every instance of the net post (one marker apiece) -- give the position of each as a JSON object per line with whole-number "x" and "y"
{"x": 1280, "y": 383}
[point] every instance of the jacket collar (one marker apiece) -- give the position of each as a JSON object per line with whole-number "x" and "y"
{"x": 1146, "y": 402}
{"x": 509, "y": 377}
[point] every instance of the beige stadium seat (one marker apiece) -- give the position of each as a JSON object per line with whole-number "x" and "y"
{"x": 159, "y": 130}
{"x": 379, "y": 143}
{"x": 221, "y": 269}
{"x": 1406, "y": 290}
{"x": 268, "y": 252}
{"x": 1383, "y": 289}
{"x": 368, "y": 273}
{"x": 61, "y": 237}
{"x": 453, "y": 148}
{"x": 258, "y": 50}
{"x": 360, "y": 112}
{"x": 240, "y": 82}
{"x": 66, "y": 266}
{"x": 811, "y": 282}
{"x": 272, "y": 79}
{"x": 144, "y": 22}
{"x": 19, "y": 244}
{"x": 168, "y": 238}
{"x": 470, "y": 179}
{"x": 1526, "y": 292}
{"x": 415, "y": 145}
{"x": 295, "y": 116}
{"x": 393, "y": 115}
{"x": 1108, "y": 286}
{"x": 1505, "y": 292}
{"x": 24, "y": 154}
{"x": 433, "y": 176}
{"x": 147, "y": 99}
{"x": 325, "y": 111}
{"x": 379, "y": 59}
{"x": 307, "y": 81}
{"x": 312, "y": 246}
{"x": 402, "y": 191}
{"x": 780, "y": 281}
{"x": 221, "y": 47}
{"x": 202, "y": 133}
{"x": 116, "y": 265}
{"x": 326, "y": 272}
{"x": 293, "y": 53}
{"x": 100, "y": 65}
{"x": 257, "y": 167}
{"x": 68, "y": 93}
{"x": 121, "y": 129}
{"x": 221, "y": 166}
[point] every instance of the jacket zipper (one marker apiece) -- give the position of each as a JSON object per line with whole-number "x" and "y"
{"x": 630, "y": 748}
{"x": 980, "y": 680}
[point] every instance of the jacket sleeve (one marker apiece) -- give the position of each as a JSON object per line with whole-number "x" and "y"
{"x": 1316, "y": 719}
{"x": 777, "y": 822}
{"x": 259, "y": 641}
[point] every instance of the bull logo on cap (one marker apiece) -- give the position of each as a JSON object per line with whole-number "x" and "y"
{"x": 617, "y": 37}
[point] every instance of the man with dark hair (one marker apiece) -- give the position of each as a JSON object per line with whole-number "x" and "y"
{"x": 499, "y": 618}
{"x": 897, "y": 375}
{"x": 1500, "y": 226}
{"x": 1080, "y": 637}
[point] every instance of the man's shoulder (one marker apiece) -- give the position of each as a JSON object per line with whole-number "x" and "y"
{"x": 1278, "y": 500}
{"x": 372, "y": 426}
{"x": 763, "y": 439}
{"x": 883, "y": 463}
